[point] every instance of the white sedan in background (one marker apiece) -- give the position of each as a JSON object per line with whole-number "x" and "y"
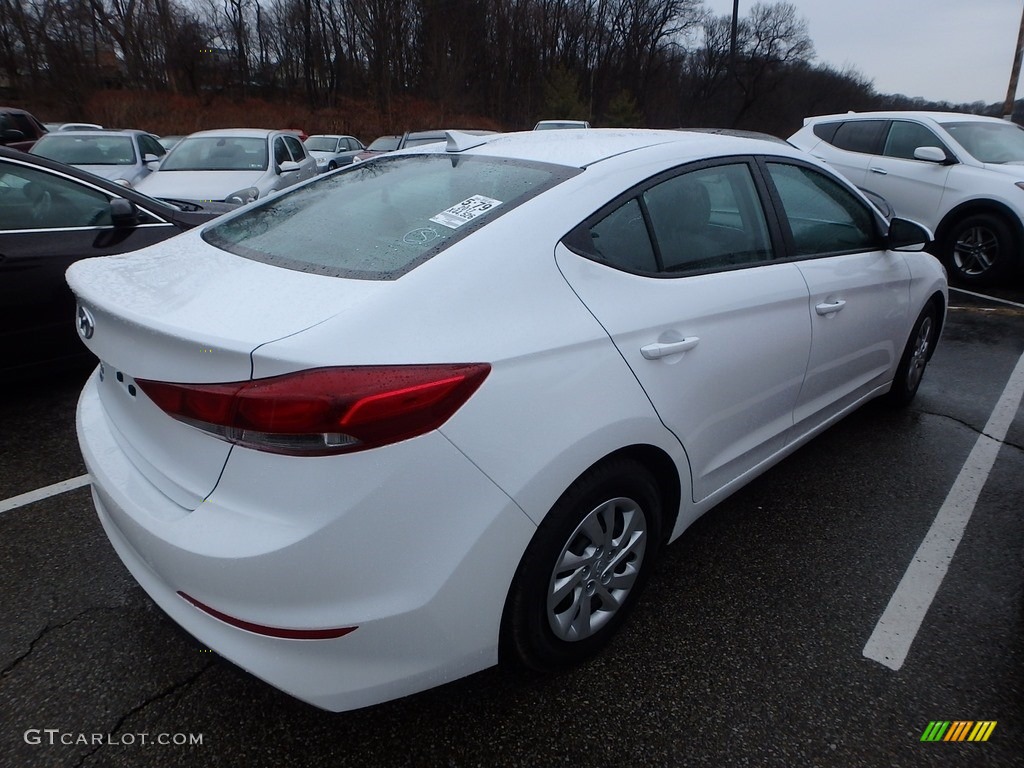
{"x": 232, "y": 165}
{"x": 332, "y": 152}
{"x": 447, "y": 406}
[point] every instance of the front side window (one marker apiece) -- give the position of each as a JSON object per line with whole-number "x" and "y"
{"x": 824, "y": 217}
{"x": 34, "y": 199}
{"x": 904, "y": 137}
{"x": 295, "y": 147}
{"x": 151, "y": 146}
{"x": 382, "y": 218}
{"x": 859, "y": 136}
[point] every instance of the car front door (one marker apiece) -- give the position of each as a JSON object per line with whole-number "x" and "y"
{"x": 913, "y": 187}
{"x": 858, "y": 292}
{"x": 680, "y": 275}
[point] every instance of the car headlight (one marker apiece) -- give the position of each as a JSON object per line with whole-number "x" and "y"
{"x": 243, "y": 196}
{"x": 123, "y": 183}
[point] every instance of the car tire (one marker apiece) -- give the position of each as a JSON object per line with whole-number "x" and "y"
{"x": 332, "y": 166}
{"x": 584, "y": 568}
{"x": 915, "y": 357}
{"x": 979, "y": 250}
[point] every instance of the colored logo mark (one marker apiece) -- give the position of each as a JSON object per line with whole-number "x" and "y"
{"x": 958, "y": 730}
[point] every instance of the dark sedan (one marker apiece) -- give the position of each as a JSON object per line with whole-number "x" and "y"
{"x": 50, "y": 216}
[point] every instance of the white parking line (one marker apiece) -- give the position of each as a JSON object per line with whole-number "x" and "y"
{"x": 988, "y": 298}
{"x": 43, "y": 493}
{"x": 896, "y": 630}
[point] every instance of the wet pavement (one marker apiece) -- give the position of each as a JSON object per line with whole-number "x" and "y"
{"x": 747, "y": 649}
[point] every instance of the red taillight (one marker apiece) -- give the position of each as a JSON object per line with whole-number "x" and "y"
{"x": 325, "y": 410}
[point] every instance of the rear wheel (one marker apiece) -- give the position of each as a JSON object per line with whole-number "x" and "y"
{"x": 584, "y": 568}
{"x": 980, "y": 250}
{"x": 915, "y": 356}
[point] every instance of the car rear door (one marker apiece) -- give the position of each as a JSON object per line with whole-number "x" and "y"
{"x": 680, "y": 275}
{"x": 850, "y": 148}
{"x": 859, "y": 292}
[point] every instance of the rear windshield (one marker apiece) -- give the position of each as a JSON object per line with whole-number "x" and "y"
{"x": 382, "y": 218}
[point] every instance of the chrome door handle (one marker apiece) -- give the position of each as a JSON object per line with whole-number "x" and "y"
{"x": 659, "y": 350}
{"x": 829, "y": 307}
{"x": 880, "y": 171}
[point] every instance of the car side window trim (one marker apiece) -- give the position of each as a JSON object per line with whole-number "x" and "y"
{"x": 578, "y": 239}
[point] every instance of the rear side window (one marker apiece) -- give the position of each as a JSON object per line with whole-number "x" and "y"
{"x": 384, "y": 217}
{"x": 859, "y": 136}
{"x": 823, "y": 216}
{"x": 826, "y": 131}
{"x": 621, "y": 240}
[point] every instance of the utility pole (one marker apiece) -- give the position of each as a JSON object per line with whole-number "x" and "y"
{"x": 732, "y": 38}
{"x": 1011, "y": 91}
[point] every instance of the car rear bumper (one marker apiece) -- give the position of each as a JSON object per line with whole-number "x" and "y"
{"x": 411, "y": 544}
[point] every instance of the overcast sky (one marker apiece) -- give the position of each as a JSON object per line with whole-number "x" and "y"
{"x": 942, "y": 50}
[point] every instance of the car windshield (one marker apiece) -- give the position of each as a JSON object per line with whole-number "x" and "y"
{"x": 86, "y": 150}
{"x": 321, "y": 144}
{"x": 383, "y": 217}
{"x": 385, "y": 144}
{"x": 217, "y": 153}
{"x": 995, "y": 142}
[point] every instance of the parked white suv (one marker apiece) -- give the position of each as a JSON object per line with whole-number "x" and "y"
{"x": 960, "y": 175}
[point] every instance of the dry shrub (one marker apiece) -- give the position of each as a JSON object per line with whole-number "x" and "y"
{"x": 167, "y": 114}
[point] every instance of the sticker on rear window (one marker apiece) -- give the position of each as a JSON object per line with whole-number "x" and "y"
{"x": 464, "y": 212}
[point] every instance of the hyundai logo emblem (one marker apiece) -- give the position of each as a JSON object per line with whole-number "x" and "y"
{"x": 86, "y": 325}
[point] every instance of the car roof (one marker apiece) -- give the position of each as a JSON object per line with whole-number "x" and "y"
{"x": 938, "y": 117}
{"x": 583, "y": 148}
{"x": 98, "y": 132}
{"x": 241, "y": 133}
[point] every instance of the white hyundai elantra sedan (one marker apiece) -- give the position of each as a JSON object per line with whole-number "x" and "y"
{"x": 447, "y": 406}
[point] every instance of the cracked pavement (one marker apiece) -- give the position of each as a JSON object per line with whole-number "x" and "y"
{"x": 746, "y": 650}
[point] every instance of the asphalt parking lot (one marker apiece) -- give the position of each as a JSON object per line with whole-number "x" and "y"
{"x": 757, "y": 642}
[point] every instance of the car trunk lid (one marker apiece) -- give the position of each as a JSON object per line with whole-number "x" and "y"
{"x": 186, "y": 312}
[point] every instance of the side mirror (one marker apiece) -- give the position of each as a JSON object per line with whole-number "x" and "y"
{"x": 123, "y": 213}
{"x": 148, "y": 159}
{"x": 11, "y": 134}
{"x": 932, "y": 155}
{"x": 289, "y": 166}
{"x": 907, "y": 236}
